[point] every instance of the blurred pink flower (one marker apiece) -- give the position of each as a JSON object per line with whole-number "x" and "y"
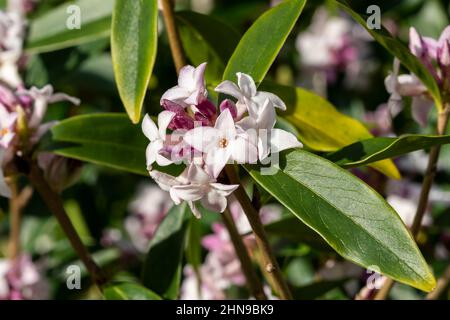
{"x": 21, "y": 280}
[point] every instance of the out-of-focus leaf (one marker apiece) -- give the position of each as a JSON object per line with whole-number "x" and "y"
{"x": 399, "y": 50}
{"x": 134, "y": 38}
{"x": 320, "y": 126}
{"x": 355, "y": 220}
{"x": 128, "y": 291}
{"x": 295, "y": 230}
{"x": 107, "y": 139}
{"x": 193, "y": 244}
{"x": 162, "y": 266}
{"x": 376, "y": 149}
{"x": 262, "y": 42}
{"x": 207, "y": 39}
{"x": 50, "y": 31}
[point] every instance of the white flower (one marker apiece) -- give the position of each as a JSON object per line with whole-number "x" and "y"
{"x": 4, "y": 285}
{"x": 222, "y": 144}
{"x": 270, "y": 140}
{"x": 4, "y": 188}
{"x": 191, "y": 88}
{"x": 41, "y": 99}
{"x": 193, "y": 185}
{"x": 407, "y": 85}
{"x": 157, "y": 138}
{"x": 249, "y": 99}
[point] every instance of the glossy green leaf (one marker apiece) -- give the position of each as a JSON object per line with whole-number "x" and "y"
{"x": 162, "y": 266}
{"x": 399, "y": 50}
{"x": 49, "y": 32}
{"x": 107, "y": 139}
{"x": 128, "y": 291}
{"x": 376, "y": 149}
{"x": 263, "y": 41}
{"x": 293, "y": 229}
{"x": 206, "y": 38}
{"x": 312, "y": 116}
{"x": 134, "y": 38}
{"x": 193, "y": 243}
{"x": 354, "y": 220}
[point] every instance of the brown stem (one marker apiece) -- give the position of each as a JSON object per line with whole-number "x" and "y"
{"x": 271, "y": 268}
{"x": 424, "y": 194}
{"x": 172, "y": 33}
{"x": 55, "y": 204}
{"x": 253, "y": 282}
{"x": 441, "y": 285}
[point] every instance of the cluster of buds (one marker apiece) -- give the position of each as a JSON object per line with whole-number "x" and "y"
{"x": 435, "y": 56}
{"x": 207, "y": 138}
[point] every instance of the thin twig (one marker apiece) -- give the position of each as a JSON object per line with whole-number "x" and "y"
{"x": 173, "y": 35}
{"x": 55, "y": 204}
{"x": 424, "y": 194}
{"x": 14, "y": 220}
{"x": 271, "y": 267}
{"x": 253, "y": 282}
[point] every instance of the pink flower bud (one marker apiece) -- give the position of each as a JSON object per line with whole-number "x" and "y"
{"x": 230, "y": 105}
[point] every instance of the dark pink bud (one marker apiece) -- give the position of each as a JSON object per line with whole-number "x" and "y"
{"x": 230, "y": 105}
{"x": 181, "y": 119}
{"x": 207, "y": 109}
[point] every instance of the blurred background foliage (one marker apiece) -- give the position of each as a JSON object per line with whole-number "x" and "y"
{"x": 100, "y": 199}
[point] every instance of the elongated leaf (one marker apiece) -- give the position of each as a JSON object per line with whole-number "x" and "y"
{"x": 293, "y": 229}
{"x": 128, "y": 291}
{"x": 107, "y": 139}
{"x": 162, "y": 266}
{"x": 261, "y": 43}
{"x": 206, "y": 38}
{"x": 348, "y": 214}
{"x": 134, "y": 38}
{"x": 320, "y": 126}
{"x": 399, "y": 50}
{"x": 50, "y": 31}
{"x": 376, "y": 149}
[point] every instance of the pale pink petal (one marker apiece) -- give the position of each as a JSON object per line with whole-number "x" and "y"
{"x": 410, "y": 86}
{"x": 202, "y": 138}
{"x": 267, "y": 116}
{"x": 164, "y": 118}
{"x": 445, "y": 37}
{"x": 229, "y": 88}
{"x": 420, "y": 109}
{"x": 149, "y": 128}
{"x": 199, "y": 76}
{"x": 282, "y": 140}
{"x": 176, "y": 94}
{"x": 197, "y": 175}
{"x": 246, "y": 84}
{"x": 276, "y": 101}
{"x": 216, "y": 159}
{"x": 244, "y": 150}
{"x": 225, "y": 124}
{"x": 162, "y": 160}
{"x": 195, "y": 210}
{"x": 186, "y": 193}
{"x": 214, "y": 201}
{"x": 150, "y": 153}
{"x": 186, "y": 77}
{"x": 225, "y": 189}
{"x": 164, "y": 180}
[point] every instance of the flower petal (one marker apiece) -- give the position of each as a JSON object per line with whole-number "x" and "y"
{"x": 149, "y": 128}
{"x": 202, "y": 138}
{"x": 214, "y": 201}
{"x": 225, "y": 124}
{"x": 229, "y": 88}
{"x": 4, "y": 188}
{"x": 246, "y": 84}
{"x": 216, "y": 159}
{"x": 186, "y": 77}
{"x": 420, "y": 109}
{"x": 176, "y": 94}
{"x": 164, "y": 118}
{"x": 187, "y": 192}
{"x": 282, "y": 140}
{"x": 165, "y": 181}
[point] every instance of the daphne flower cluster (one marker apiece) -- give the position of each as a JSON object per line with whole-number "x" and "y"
{"x": 435, "y": 56}
{"x": 21, "y": 110}
{"x": 207, "y": 138}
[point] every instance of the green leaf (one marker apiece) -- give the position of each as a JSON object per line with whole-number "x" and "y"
{"x": 354, "y": 219}
{"x": 316, "y": 290}
{"x": 293, "y": 229}
{"x": 263, "y": 41}
{"x": 107, "y": 139}
{"x": 134, "y": 38}
{"x": 399, "y": 50}
{"x": 163, "y": 263}
{"x": 376, "y": 149}
{"x": 206, "y": 38}
{"x": 312, "y": 115}
{"x": 128, "y": 291}
{"x": 193, "y": 243}
{"x": 49, "y": 32}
